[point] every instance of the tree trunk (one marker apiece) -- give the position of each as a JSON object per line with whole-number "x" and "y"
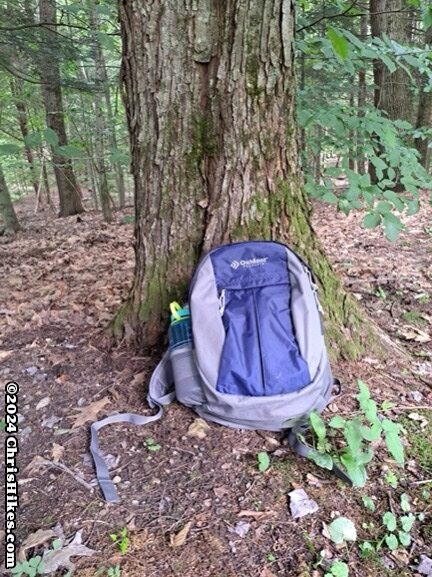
{"x": 68, "y": 189}
{"x": 99, "y": 116}
{"x": 362, "y": 98}
{"x": 7, "y": 211}
{"x": 392, "y": 95}
{"x": 16, "y": 85}
{"x": 424, "y": 114}
{"x": 112, "y": 135}
{"x": 394, "y": 91}
{"x": 214, "y": 149}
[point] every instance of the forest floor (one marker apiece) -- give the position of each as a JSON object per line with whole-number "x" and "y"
{"x": 199, "y": 506}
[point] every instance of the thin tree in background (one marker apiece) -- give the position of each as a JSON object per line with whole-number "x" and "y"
{"x": 100, "y": 136}
{"x": 68, "y": 189}
{"x": 424, "y": 115}
{"x": 7, "y": 211}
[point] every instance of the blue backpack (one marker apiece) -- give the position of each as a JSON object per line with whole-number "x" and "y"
{"x": 247, "y": 351}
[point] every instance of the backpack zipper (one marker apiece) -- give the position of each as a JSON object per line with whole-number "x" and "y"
{"x": 258, "y": 329}
{"x": 222, "y": 302}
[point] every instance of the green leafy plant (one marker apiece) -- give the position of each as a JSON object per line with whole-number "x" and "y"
{"x": 399, "y": 528}
{"x": 2, "y": 424}
{"x": 151, "y": 445}
{"x": 113, "y": 571}
{"x": 122, "y": 540}
{"x": 351, "y": 439}
{"x": 31, "y": 568}
{"x": 368, "y": 503}
{"x": 392, "y": 479}
{"x": 380, "y": 293}
{"x": 263, "y": 461}
{"x": 341, "y": 530}
{"x": 338, "y": 569}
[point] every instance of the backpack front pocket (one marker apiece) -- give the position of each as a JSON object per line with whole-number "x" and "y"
{"x": 260, "y": 355}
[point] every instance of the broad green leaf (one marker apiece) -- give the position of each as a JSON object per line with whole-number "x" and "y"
{"x": 388, "y": 62}
{"x": 339, "y": 569}
{"x": 263, "y": 461}
{"x": 355, "y": 469}
{"x": 427, "y": 17}
{"x": 405, "y": 504}
{"x": 323, "y": 460}
{"x": 33, "y": 139}
{"x": 364, "y": 393}
{"x": 337, "y": 422}
{"x": 51, "y": 136}
{"x": 368, "y": 503}
{"x": 383, "y": 207}
{"x": 404, "y": 538}
{"x": 56, "y": 544}
{"x": 9, "y": 149}
{"x": 389, "y": 521}
{"x": 352, "y": 433}
{"x": 342, "y": 529}
{"x": 372, "y": 433}
{"x": 366, "y": 546}
{"x": 395, "y": 447}
{"x": 318, "y": 425}
{"x": 330, "y": 197}
{"x": 70, "y": 151}
{"x": 392, "y": 227}
{"x": 371, "y": 220}
{"x": 339, "y": 43}
{"x": 413, "y": 206}
{"x": 394, "y": 198}
{"x": 392, "y": 542}
{"x": 407, "y": 521}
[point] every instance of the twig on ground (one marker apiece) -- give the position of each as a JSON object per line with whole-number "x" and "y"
{"x": 48, "y": 463}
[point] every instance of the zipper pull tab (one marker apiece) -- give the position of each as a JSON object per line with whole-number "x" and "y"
{"x": 222, "y": 302}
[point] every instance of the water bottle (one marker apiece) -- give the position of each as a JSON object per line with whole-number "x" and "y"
{"x": 180, "y": 329}
{"x": 186, "y": 378}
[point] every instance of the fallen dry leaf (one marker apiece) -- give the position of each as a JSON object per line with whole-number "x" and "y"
{"x": 258, "y": 515}
{"x": 43, "y": 403}
{"x": 89, "y": 412}
{"x": 179, "y": 538}
{"x": 5, "y": 355}
{"x": 415, "y": 334}
{"x": 57, "y": 452}
{"x": 312, "y": 480}
{"x": 267, "y": 573}
{"x": 60, "y": 558}
{"x": 34, "y": 464}
{"x": 138, "y": 379}
{"x": 198, "y": 429}
{"x": 40, "y": 537}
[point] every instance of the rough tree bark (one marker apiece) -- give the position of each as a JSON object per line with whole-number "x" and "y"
{"x": 7, "y": 212}
{"x": 209, "y": 94}
{"x": 68, "y": 189}
{"x": 424, "y": 114}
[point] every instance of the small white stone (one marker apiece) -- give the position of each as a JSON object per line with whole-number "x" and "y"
{"x": 116, "y": 480}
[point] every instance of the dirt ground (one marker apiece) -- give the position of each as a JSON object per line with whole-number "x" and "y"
{"x": 62, "y": 280}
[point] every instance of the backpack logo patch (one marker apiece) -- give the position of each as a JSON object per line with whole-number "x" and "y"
{"x": 251, "y": 262}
